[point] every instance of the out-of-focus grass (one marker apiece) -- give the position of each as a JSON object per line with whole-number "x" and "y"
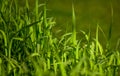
{"x": 87, "y": 14}
{"x": 29, "y": 48}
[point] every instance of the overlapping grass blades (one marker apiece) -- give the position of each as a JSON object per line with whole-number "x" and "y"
{"x": 28, "y": 47}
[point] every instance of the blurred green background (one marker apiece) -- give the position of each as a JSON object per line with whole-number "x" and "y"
{"x": 89, "y": 13}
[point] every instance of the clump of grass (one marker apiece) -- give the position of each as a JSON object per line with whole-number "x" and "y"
{"x": 28, "y": 46}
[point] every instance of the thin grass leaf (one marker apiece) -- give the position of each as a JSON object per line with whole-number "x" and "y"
{"x": 63, "y": 37}
{"x": 34, "y": 54}
{"x": 110, "y": 28}
{"x": 86, "y": 36}
{"x": 5, "y": 41}
{"x": 73, "y": 27}
{"x": 96, "y": 39}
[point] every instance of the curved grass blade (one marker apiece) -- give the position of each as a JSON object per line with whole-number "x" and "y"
{"x": 5, "y": 41}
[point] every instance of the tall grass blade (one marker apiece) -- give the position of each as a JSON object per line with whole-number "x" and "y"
{"x": 110, "y": 27}
{"x": 73, "y": 26}
{"x": 96, "y": 40}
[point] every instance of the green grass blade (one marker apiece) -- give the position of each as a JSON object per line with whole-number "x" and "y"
{"x": 96, "y": 39}
{"x": 5, "y": 41}
{"x": 73, "y": 27}
{"x": 110, "y": 28}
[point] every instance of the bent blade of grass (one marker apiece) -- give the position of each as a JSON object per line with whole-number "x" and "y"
{"x": 5, "y": 41}
{"x": 103, "y": 32}
{"x": 86, "y": 36}
{"x": 34, "y": 54}
{"x": 100, "y": 48}
{"x": 10, "y": 45}
{"x": 63, "y": 37}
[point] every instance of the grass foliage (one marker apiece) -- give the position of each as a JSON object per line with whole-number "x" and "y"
{"x": 28, "y": 48}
